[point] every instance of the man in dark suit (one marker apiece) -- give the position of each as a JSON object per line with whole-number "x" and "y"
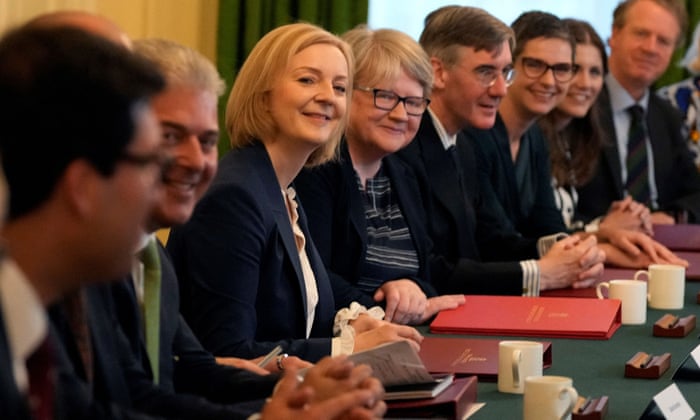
{"x": 76, "y": 219}
{"x": 644, "y": 36}
{"x": 471, "y": 55}
{"x": 113, "y": 369}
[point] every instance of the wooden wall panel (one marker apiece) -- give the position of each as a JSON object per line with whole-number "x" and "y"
{"x": 190, "y": 22}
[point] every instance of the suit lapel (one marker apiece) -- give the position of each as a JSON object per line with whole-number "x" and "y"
{"x": 278, "y": 207}
{"x": 357, "y": 210}
{"x": 439, "y": 167}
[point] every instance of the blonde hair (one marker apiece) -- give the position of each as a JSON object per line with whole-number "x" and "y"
{"x": 383, "y": 53}
{"x": 245, "y": 119}
{"x": 181, "y": 66}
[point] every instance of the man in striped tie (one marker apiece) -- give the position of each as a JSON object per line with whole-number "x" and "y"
{"x": 646, "y": 157}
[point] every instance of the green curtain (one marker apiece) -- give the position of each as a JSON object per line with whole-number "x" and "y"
{"x": 676, "y": 73}
{"x": 243, "y": 22}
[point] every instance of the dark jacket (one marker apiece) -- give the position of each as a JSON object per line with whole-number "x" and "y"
{"x": 338, "y": 225}
{"x": 238, "y": 265}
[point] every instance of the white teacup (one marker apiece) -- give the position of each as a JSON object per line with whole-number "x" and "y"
{"x": 633, "y": 297}
{"x": 518, "y": 360}
{"x": 549, "y": 398}
{"x": 666, "y": 285}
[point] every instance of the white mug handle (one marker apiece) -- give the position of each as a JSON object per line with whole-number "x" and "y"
{"x": 573, "y": 397}
{"x": 598, "y": 291}
{"x": 636, "y": 277}
{"x": 639, "y": 273}
{"x": 515, "y": 365}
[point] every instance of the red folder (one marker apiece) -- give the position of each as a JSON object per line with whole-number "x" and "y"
{"x": 678, "y": 237}
{"x": 531, "y": 316}
{"x": 468, "y": 356}
{"x": 452, "y": 403}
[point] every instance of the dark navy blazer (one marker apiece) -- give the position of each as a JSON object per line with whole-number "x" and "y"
{"x": 536, "y": 214}
{"x": 338, "y": 225}
{"x": 236, "y": 258}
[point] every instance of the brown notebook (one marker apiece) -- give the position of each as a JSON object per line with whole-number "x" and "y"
{"x": 531, "y": 316}
{"x": 452, "y": 403}
{"x": 468, "y": 356}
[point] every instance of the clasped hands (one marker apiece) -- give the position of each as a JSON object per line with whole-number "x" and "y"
{"x": 334, "y": 388}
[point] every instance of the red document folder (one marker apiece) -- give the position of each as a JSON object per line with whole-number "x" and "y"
{"x": 531, "y": 316}
{"x": 452, "y": 403}
{"x": 468, "y": 356}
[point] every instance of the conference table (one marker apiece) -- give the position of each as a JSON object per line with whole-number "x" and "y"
{"x": 597, "y": 366}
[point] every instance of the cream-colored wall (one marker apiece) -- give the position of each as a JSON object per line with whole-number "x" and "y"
{"x": 190, "y": 22}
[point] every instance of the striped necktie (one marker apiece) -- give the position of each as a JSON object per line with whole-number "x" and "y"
{"x": 637, "y": 184}
{"x": 41, "y": 381}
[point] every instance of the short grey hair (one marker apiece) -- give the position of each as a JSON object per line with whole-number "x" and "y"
{"x": 181, "y": 65}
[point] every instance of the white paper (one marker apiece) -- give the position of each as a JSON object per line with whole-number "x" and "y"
{"x": 672, "y": 404}
{"x": 394, "y": 363}
{"x": 696, "y": 355}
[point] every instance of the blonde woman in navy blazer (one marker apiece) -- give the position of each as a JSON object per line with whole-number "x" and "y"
{"x": 241, "y": 266}
{"x": 365, "y": 210}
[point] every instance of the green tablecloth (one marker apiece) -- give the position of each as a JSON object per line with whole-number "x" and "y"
{"x": 597, "y": 368}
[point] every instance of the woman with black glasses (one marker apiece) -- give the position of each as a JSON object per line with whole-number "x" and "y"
{"x": 364, "y": 210}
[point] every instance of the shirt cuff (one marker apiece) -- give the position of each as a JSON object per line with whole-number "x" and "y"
{"x": 531, "y": 277}
{"x": 345, "y": 315}
{"x": 546, "y": 242}
{"x": 593, "y": 226}
{"x": 344, "y": 340}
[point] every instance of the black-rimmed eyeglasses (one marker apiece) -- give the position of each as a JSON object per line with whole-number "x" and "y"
{"x": 534, "y": 68}
{"x": 387, "y": 100}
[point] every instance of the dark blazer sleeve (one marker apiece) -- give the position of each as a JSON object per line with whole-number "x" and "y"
{"x": 241, "y": 282}
{"x": 452, "y": 221}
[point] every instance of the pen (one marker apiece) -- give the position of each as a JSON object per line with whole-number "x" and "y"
{"x": 674, "y": 322}
{"x": 646, "y": 361}
{"x": 271, "y": 355}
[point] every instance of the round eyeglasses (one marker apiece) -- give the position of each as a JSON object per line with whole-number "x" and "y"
{"x": 487, "y": 76}
{"x": 535, "y": 68}
{"x": 387, "y": 100}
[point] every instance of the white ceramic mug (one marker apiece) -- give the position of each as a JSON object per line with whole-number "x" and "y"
{"x": 666, "y": 285}
{"x": 633, "y": 297}
{"x": 518, "y": 360}
{"x": 549, "y": 398}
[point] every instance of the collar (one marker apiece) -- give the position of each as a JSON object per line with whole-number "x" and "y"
{"x": 145, "y": 239}
{"x": 620, "y": 99}
{"x": 25, "y": 318}
{"x": 446, "y": 140}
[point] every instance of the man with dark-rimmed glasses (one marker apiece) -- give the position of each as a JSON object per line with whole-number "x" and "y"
{"x": 470, "y": 51}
